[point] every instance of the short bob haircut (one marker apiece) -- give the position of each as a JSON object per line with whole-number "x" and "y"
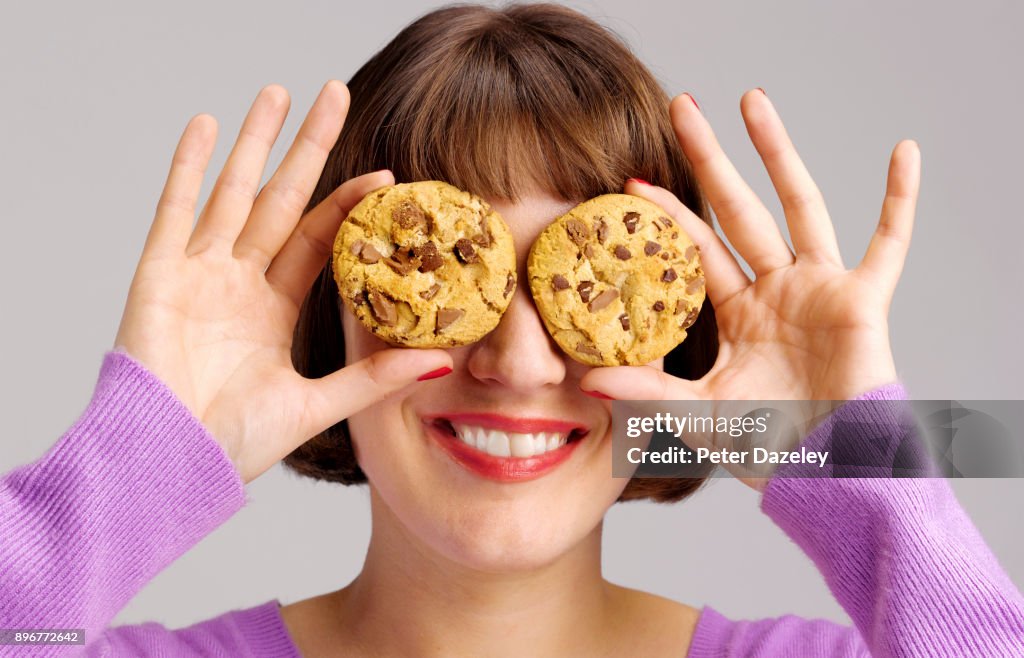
{"x": 500, "y": 102}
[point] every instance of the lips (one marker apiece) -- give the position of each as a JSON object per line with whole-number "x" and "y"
{"x": 503, "y": 448}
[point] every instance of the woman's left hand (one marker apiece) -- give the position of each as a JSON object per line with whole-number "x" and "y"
{"x": 806, "y": 328}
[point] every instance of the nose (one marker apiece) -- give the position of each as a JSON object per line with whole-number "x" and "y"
{"x": 519, "y": 354}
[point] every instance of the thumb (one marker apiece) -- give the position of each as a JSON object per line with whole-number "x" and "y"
{"x": 639, "y": 383}
{"x": 353, "y": 388}
{"x": 646, "y": 389}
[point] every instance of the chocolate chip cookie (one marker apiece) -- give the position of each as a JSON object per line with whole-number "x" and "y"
{"x": 425, "y": 265}
{"x": 616, "y": 281}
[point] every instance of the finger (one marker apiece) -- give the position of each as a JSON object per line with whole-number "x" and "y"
{"x": 748, "y": 225}
{"x": 723, "y": 275}
{"x": 236, "y": 187}
{"x": 176, "y": 209}
{"x": 888, "y": 248}
{"x": 353, "y": 388}
{"x": 282, "y": 200}
{"x": 310, "y": 244}
{"x": 640, "y": 383}
{"x": 806, "y": 215}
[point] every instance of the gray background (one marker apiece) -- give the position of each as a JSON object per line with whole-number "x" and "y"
{"x": 96, "y": 94}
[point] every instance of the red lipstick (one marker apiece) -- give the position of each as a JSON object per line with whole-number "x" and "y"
{"x": 503, "y": 469}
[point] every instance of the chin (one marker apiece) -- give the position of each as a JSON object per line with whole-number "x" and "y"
{"x": 511, "y": 541}
{"x": 460, "y": 487}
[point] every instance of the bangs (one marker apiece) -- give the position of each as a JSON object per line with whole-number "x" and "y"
{"x": 502, "y": 103}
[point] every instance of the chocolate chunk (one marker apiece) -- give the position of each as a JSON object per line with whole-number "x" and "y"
{"x": 484, "y": 238}
{"x": 465, "y": 252}
{"x": 689, "y": 319}
{"x": 624, "y": 320}
{"x": 651, "y": 248}
{"x": 368, "y": 254}
{"x": 603, "y": 300}
{"x": 356, "y": 247}
{"x": 669, "y": 275}
{"x": 666, "y": 221}
{"x": 694, "y": 285}
{"x": 583, "y": 348}
{"x": 429, "y": 257}
{"x": 690, "y": 253}
{"x": 446, "y": 316}
{"x": 680, "y": 306}
{"x": 588, "y": 250}
{"x": 510, "y": 285}
{"x": 602, "y": 230}
{"x": 659, "y": 306}
{"x": 359, "y": 298}
{"x": 630, "y": 220}
{"x": 559, "y": 282}
{"x": 430, "y": 292}
{"x": 675, "y": 234}
{"x": 577, "y": 230}
{"x": 383, "y": 309}
{"x": 665, "y": 255}
{"x": 657, "y": 224}
{"x": 585, "y": 289}
{"x": 403, "y": 261}
{"x": 410, "y": 216}
{"x": 622, "y": 253}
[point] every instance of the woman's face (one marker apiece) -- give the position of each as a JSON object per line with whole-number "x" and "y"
{"x": 480, "y": 510}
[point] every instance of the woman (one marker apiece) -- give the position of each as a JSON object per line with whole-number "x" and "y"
{"x": 535, "y": 108}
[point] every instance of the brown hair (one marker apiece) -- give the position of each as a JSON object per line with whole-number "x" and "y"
{"x": 498, "y": 102}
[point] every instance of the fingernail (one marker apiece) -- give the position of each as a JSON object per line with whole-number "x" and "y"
{"x": 434, "y": 374}
{"x": 599, "y": 395}
{"x": 760, "y": 89}
{"x": 638, "y": 180}
{"x": 695, "y": 103}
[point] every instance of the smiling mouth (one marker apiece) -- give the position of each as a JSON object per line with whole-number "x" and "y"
{"x": 500, "y": 443}
{"x": 503, "y": 448}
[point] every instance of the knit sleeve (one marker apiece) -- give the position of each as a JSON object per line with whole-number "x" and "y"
{"x": 899, "y": 554}
{"x": 134, "y": 484}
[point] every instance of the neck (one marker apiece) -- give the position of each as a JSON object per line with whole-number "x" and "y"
{"x": 410, "y": 600}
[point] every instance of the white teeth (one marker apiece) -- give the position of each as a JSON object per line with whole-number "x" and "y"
{"x": 497, "y": 444}
{"x": 521, "y": 444}
{"x": 503, "y": 444}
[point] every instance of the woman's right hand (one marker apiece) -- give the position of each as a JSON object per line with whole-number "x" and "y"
{"x": 212, "y": 309}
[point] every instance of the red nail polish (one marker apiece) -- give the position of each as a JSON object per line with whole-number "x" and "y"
{"x": 695, "y": 103}
{"x": 599, "y": 395}
{"x": 434, "y": 374}
{"x": 639, "y": 180}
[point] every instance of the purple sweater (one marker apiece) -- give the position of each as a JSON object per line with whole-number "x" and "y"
{"x": 137, "y": 481}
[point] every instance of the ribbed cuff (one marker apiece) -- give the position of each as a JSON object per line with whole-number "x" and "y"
{"x": 810, "y": 508}
{"x": 898, "y": 553}
{"x": 134, "y": 484}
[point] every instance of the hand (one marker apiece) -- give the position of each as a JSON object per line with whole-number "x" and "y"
{"x": 805, "y": 328}
{"x": 211, "y": 310}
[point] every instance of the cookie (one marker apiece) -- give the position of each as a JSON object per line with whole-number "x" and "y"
{"x": 425, "y": 265}
{"x": 616, "y": 281}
